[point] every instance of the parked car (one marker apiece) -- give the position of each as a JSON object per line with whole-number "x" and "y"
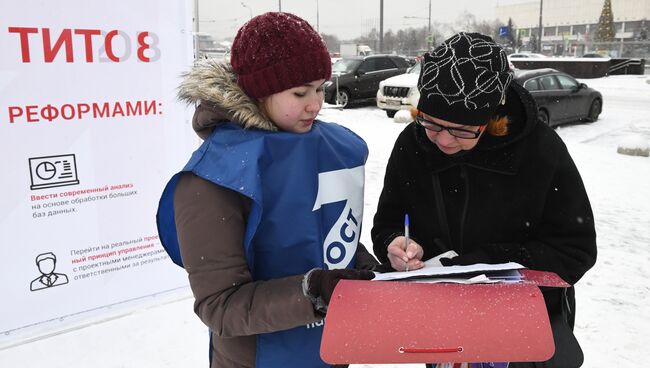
{"x": 520, "y": 55}
{"x": 560, "y": 97}
{"x": 399, "y": 92}
{"x": 594, "y": 55}
{"x": 357, "y": 78}
{"x": 335, "y": 59}
{"x": 412, "y": 60}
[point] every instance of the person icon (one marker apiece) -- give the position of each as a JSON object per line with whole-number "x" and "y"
{"x": 46, "y": 263}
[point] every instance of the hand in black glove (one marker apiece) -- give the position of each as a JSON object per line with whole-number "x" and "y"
{"x": 467, "y": 259}
{"x": 447, "y": 262}
{"x": 383, "y": 268}
{"x": 321, "y": 283}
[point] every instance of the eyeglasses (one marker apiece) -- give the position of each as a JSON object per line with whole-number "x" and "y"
{"x": 456, "y": 132}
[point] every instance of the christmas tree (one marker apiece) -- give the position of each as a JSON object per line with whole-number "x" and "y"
{"x": 606, "y": 31}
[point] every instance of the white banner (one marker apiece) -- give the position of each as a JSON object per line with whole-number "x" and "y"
{"x": 90, "y": 131}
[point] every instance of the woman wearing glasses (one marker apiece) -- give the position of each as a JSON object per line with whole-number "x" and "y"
{"x": 477, "y": 174}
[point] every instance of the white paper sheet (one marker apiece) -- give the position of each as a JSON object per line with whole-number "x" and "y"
{"x": 435, "y": 271}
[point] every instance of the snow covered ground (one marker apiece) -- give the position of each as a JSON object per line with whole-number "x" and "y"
{"x": 613, "y": 311}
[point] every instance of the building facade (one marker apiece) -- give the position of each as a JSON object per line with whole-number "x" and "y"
{"x": 569, "y": 27}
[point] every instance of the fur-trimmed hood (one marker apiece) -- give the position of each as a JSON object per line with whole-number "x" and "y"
{"x": 213, "y": 86}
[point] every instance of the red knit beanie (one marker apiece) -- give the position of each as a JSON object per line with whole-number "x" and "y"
{"x": 277, "y": 51}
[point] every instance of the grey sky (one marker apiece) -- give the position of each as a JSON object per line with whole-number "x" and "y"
{"x": 346, "y": 19}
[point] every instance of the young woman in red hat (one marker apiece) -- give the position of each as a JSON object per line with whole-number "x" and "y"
{"x": 266, "y": 215}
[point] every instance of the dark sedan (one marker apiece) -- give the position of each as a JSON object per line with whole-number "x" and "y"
{"x": 560, "y": 97}
{"x": 358, "y": 78}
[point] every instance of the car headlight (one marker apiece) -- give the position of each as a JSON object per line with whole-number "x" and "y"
{"x": 413, "y": 97}
{"x": 327, "y": 84}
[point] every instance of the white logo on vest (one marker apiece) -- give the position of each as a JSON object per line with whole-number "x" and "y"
{"x": 335, "y": 186}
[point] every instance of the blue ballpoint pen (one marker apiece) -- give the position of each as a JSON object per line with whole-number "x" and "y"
{"x": 406, "y": 237}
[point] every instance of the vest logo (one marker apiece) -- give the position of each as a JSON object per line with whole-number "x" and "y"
{"x": 316, "y": 324}
{"x": 336, "y": 186}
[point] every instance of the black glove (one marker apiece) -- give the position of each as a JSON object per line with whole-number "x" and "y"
{"x": 321, "y": 283}
{"x": 384, "y": 267}
{"x": 467, "y": 259}
{"x": 447, "y": 262}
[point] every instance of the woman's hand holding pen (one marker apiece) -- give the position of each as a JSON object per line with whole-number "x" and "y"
{"x": 402, "y": 259}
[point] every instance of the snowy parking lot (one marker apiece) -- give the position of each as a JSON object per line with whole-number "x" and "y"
{"x": 613, "y": 299}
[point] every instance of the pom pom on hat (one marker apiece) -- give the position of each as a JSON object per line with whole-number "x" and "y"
{"x": 464, "y": 80}
{"x": 276, "y": 51}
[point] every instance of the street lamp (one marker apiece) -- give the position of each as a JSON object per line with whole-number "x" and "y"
{"x": 381, "y": 25}
{"x": 429, "y": 29}
{"x": 413, "y": 17}
{"x": 317, "y": 18}
{"x": 429, "y": 17}
{"x": 429, "y": 37}
{"x": 196, "y": 29}
{"x": 540, "y": 32}
{"x": 250, "y": 12}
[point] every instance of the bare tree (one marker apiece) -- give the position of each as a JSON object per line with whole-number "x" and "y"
{"x": 331, "y": 41}
{"x": 466, "y": 22}
{"x": 642, "y": 33}
{"x": 390, "y": 41}
{"x": 532, "y": 42}
{"x": 413, "y": 41}
{"x": 371, "y": 39}
{"x": 488, "y": 28}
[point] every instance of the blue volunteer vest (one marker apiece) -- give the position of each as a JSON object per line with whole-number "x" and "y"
{"x": 307, "y": 206}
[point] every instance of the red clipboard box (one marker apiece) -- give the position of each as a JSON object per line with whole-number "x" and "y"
{"x": 542, "y": 278}
{"x": 376, "y": 322}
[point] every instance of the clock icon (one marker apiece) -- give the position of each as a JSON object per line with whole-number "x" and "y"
{"x": 45, "y": 170}
{"x": 53, "y": 171}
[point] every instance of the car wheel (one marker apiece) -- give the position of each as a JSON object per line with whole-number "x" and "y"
{"x": 343, "y": 98}
{"x": 542, "y": 116}
{"x": 594, "y": 111}
{"x": 391, "y": 113}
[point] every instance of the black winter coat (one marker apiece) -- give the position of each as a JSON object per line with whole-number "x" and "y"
{"x": 515, "y": 198}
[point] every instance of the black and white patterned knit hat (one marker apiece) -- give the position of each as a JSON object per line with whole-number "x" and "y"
{"x": 464, "y": 80}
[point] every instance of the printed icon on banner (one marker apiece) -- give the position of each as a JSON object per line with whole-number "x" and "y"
{"x": 46, "y": 263}
{"x": 53, "y": 171}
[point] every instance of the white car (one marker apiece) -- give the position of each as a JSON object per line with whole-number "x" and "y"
{"x": 399, "y": 92}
